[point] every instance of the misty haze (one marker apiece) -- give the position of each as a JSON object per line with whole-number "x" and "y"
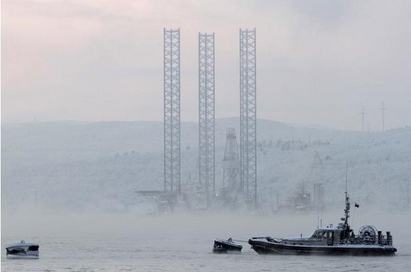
{"x": 136, "y": 134}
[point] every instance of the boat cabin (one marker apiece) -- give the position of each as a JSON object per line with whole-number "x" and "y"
{"x": 329, "y": 236}
{"x": 320, "y": 237}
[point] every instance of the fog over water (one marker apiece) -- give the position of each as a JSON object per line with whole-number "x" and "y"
{"x": 32, "y": 222}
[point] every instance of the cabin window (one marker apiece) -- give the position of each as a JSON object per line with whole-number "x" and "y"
{"x": 33, "y": 248}
{"x": 319, "y": 234}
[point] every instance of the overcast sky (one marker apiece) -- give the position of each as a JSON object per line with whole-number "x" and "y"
{"x": 318, "y": 62}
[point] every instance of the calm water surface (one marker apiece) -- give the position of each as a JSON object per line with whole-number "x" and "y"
{"x": 177, "y": 244}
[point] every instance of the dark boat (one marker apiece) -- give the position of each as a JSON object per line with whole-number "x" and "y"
{"x": 23, "y": 250}
{"x": 339, "y": 240}
{"x": 226, "y": 246}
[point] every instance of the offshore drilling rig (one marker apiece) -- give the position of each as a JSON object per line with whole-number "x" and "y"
{"x": 240, "y": 168}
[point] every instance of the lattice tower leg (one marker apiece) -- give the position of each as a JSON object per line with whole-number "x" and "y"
{"x": 206, "y": 74}
{"x": 172, "y": 110}
{"x": 248, "y": 115}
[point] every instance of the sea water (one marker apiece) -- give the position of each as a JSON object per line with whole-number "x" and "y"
{"x": 178, "y": 243}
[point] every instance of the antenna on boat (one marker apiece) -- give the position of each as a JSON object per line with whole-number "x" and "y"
{"x": 346, "y": 177}
{"x": 347, "y": 202}
{"x": 319, "y": 220}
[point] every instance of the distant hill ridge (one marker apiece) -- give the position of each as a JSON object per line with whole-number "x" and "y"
{"x": 144, "y": 136}
{"x": 98, "y": 165}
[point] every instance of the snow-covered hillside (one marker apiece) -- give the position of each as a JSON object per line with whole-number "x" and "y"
{"x": 99, "y": 166}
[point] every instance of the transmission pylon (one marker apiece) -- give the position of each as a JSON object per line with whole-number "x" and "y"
{"x": 172, "y": 110}
{"x": 248, "y": 115}
{"x": 206, "y": 87}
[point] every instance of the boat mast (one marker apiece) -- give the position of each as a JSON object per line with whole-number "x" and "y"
{"x": 347, "y": 209}
{"x": 347, "y": 204}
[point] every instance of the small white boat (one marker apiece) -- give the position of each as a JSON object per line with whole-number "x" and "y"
{"x": 23, "y": 250}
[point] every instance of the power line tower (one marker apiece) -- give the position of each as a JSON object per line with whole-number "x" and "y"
{"x": 206, "y": 88}
{"x": 172, "y": 111}
{"x": 383, "y": 109}
{"x": 248, "y": 115}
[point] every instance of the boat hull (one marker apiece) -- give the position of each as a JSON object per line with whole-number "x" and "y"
{"x": 225, "y": 246}
{"x": 22, "y": 256}
{"x": 266, "y": 247}
{"x": 23, "y": 250}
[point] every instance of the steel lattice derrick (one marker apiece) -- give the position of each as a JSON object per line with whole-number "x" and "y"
{"x": 171, "y": 110}
{"x": 248, "y": 115}
{"x": 231, "y": 163}
{"x": 206, "y": 86}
